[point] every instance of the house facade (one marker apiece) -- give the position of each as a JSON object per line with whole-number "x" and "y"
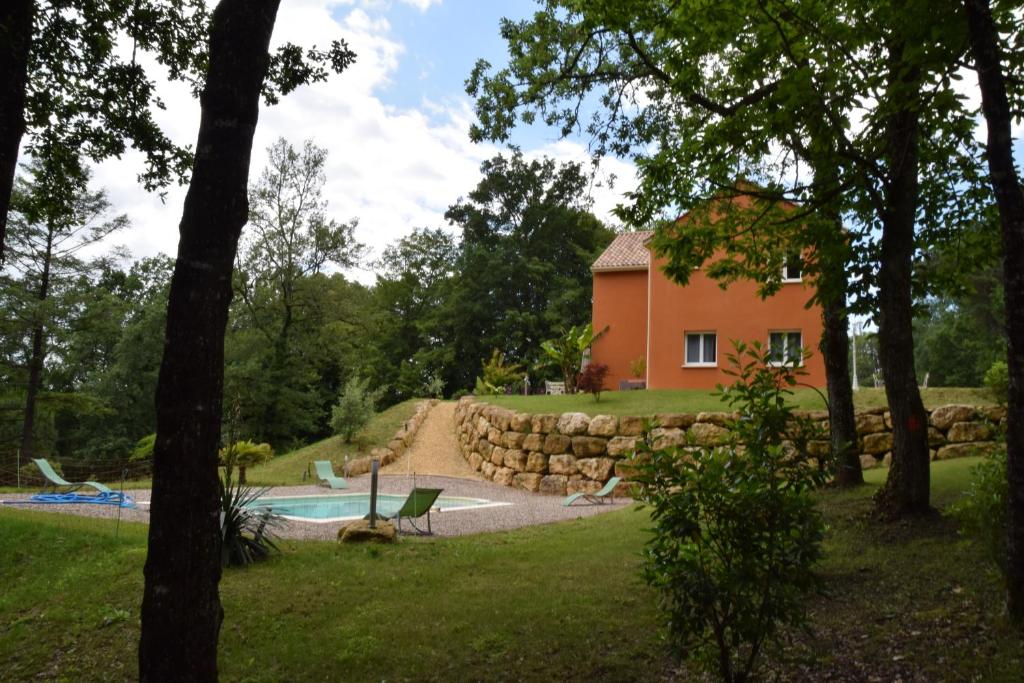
{"x": 684, "y": 333}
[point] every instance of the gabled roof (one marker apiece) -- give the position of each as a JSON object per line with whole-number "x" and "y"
{"x": 626, "y": 252}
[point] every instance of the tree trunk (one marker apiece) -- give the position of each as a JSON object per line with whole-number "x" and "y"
{"x": 181, "y": 611}
{"x": 35, "y": 364}
{"x": 906, "y": 490}
{"x": 15, "y": 39}
{"x": 835, "y": 350}
{"x": 1010, "y": 200}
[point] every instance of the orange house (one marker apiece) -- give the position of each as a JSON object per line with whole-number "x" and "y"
{"x": 683, "y": 334}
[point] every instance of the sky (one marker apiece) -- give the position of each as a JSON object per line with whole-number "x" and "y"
{"x": 395, "y": 125}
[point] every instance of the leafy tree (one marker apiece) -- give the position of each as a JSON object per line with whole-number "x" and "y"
{"x": 995, "y": 47}
{"x": 523, "y": 270}
{"x": 290, "y": 239}
{"x": 700, "y": 96}
{"x": 181, "y": 611}
{"x": 46, "y": 237}
{"x": 356, "y": 406}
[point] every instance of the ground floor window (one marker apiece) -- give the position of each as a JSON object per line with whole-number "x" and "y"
{"x": 786, "y": 347}
{"x": 701, "y": 349}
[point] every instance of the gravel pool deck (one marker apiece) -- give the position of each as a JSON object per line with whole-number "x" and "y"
{"x": 521, "y": 508}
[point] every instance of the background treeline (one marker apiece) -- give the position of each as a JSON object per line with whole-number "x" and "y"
{"x": 82, "y": 336}
{"x": 514, "y": 272}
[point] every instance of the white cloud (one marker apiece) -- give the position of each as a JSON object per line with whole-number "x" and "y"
{"x": 393, "y": 169}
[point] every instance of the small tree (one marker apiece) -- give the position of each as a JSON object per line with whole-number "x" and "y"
{"x": 638, "y": 367}
{"x": 567, "y": 351}
{"x": 736, "y": 533}
{"x": 497, "y": 375}
{"x": 356, "y": 405}
{"x": 592, "y": 379}
{"x": 997, "y": 381}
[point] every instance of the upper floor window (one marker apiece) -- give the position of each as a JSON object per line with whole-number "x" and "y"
{"x": 786, "y": 348}
{"x": 701, "y": 349}
{"x": 792, "y": 270}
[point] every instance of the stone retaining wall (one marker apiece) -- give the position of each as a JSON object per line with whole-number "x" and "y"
{"x": 571, "y": 452}
{"x": 401, "y": 441}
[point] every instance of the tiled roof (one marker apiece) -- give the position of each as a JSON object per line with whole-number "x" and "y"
{"x": 626, "y": 252}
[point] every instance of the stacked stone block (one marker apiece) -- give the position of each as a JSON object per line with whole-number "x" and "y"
{"x": 572, "y": 452}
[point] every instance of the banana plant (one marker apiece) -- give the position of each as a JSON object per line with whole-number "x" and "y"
{"x": 566, "y": 351}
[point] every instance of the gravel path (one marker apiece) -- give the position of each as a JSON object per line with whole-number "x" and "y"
{"x": 521, "y": 507}
{"x": 435, "y": 450}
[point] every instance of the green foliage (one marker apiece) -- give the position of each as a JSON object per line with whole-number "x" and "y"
{"x": 355, "y": 406}
{"x": 638, "y": 367}
{"x": 984, "y": 510}
{"x": 997, "y": 381}
{"x": 246, "y": 453}
{"x": 499, "y": 374}
{"x": 592, "y": 379}
{"x": 247, "y": 530}
{"x": 567, "y": 351}
{"x": 434, "y": 387}
{"x": 144, "y": 448}
{"x": 736, "y": 532}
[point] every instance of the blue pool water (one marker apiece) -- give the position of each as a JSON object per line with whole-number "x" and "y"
{"x": 351, "y": 505}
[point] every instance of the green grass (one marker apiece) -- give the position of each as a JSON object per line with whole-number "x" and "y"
{"x": 288, "y": 468}
{"x": 696, "y": 400}
{"x": 563, "y": 601}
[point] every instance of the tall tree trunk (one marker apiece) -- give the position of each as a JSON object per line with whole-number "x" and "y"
{"x": 181, "y": 611}
{"x": 835, "y": 350}
{"x": 16, "y": 18}
{"x": 35, "y": 364}
{"x": 906, "y": 490}
{"x": 1010, "y": 200}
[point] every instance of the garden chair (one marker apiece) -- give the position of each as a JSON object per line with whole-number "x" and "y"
{"x": 554, "y": 388}
{"x": 54, "y": 479}
{"x": 416, "y": 505}
{"x": 598, "y": 497}
{"x": 325, "y": 473}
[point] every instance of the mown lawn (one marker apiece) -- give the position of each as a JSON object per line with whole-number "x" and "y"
{"x": 908, "y": 600}
{"x": 695, "y": 401}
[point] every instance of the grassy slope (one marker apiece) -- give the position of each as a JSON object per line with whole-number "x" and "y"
{"x": 695, "y": 400}
{"x": 289, "y": 468}
{"x": 546, "y": 603}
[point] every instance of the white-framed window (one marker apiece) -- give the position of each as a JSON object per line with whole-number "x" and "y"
{"x": 792, "y": 269}
{"x": 701, "y": 349}
{"x": 786, "y": 347}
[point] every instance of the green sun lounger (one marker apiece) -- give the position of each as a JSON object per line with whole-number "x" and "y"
{"x": 598, "y": 497}
{"x": 416, "y": 505}
{"x": 325, "y": 473}
{"x": 56, "y": 480}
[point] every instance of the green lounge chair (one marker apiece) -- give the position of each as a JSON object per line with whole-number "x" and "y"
{"x": 607, "y": 492}
{"x": 325, "y": 473}
{"x": 416, "y": 505}
{"x": 56, "y": 480}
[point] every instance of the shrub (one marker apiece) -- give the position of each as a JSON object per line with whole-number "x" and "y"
{"x": 997, "y": 381}
{"x": 736, "y": 533}
{"x": 592, "y": 379}
{"x": 143, "y": 449}
{"x": 434, "y": 387}
{"x": 499, "y": 374}
{"x": 356, "y": 405}
{"x": 983, "y": 511}
{"x": 638, "y": 367}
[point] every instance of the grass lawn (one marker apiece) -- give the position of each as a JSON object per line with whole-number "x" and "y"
{"x": 696, "y": 400}
{"x": 288, "y": 469}
{"x": 910, "y": 600}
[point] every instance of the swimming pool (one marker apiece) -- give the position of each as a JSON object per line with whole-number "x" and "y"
{"x": 345, "y": 506}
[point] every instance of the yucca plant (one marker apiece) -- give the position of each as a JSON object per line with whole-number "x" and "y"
{"x": 248, "y": 532}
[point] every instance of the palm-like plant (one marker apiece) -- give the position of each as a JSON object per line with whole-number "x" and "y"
{"x": 247, "y": 532}
{"x": 567, "y": 351}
